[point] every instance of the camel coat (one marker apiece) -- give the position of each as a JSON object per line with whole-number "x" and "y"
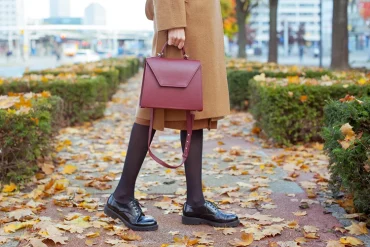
{"x": 204, "y": 41}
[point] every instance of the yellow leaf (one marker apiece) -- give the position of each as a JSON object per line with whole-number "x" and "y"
{"x": 130, "y": 236}
{"x": 293, "y": 79}
{"x": 44, "y": 79}
{"x": 11, "y": 111}
{"x": 92, "y": 234}
{"x": 362, "y": 81}
{"x": 247, "y": 239}
{"x": 357, "y": 229}
{"x": 334, "y": 243}
{"x": 9, "y": 187}
{"x": 346, "y": 129}
{"x": 107, "y": 158}
{"x": 293, "y": 224}
{"x": 89, "y": 242}
{"x": 310, "y": 235}
{"x": 69, "y": 169}
{"x": 351, "y": 240}
{"x": 45, "y": 94}
{"x": 18, "y": 225}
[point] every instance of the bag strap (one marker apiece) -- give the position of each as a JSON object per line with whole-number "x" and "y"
{"x": 161, "y": 54}
{"x": 189, "y": 129}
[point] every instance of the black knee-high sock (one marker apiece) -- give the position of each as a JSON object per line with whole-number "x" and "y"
{"x": 136, "y": 152}
{"x": 193, "y": 168}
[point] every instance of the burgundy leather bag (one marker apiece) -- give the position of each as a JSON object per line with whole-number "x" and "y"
{"x": 172, "y": 84}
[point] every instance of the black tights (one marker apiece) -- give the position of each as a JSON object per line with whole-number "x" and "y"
{"x": 136, "y": 152}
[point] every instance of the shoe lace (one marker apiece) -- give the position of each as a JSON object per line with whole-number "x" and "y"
{"x": 137, "y": 205}
{"x": 213, "y": 205}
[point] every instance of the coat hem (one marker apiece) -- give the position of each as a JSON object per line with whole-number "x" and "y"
{"x": 181, "y": 125}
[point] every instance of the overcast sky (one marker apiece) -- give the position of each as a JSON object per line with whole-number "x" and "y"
{"x": 127, "y": 14}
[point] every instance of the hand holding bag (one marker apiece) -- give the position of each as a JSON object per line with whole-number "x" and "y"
{"x": 172, "y": 84}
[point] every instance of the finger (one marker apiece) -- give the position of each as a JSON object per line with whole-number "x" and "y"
{"x": 170, "y": 41}
{"x": 181, "y": 45}
{"x": 176, "y": 41}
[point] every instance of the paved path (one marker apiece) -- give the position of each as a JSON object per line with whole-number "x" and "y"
{"x": 241, "y": 172}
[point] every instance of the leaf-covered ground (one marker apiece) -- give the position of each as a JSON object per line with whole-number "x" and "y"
{"x": 280, "y": 195}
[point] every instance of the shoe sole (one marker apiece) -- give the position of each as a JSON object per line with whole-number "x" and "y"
{"x": 109, "y": 212}
{"x": 199, "y": 221}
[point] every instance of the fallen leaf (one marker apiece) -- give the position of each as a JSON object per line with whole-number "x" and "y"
{"x": 246, "y": 240}
{"x": 36, "y": 242}
{"x": 310, "y": 229}
{"x": 334, "y": 243}
{"x": 229, "y": 231}
{"x": 357, "y": 229}
{"x": 19, "y": 213}
{"x": 9, "y": 188}
{"x": 89, "y": 242}
{"x": 300, "y": 213}
{"x": 92, "y": 234}
{"x": 288, "y": 244}
{"x": 351, "y": 240}
{"x": 130, "y": 236}
{"x": 303, "y": 98}
{"x": 13, "y": 227}
{"x": 69, "y": 169}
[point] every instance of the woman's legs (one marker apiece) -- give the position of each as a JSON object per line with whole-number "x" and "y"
{"x": 193, "y": 168}
{"x": 136, "y": 152}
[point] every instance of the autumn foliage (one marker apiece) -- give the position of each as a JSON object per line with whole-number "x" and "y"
{"x": 27, "y": 120}
{"x": 25, "y": 132}
{"x": 290, "y": 110}
{"x": 229, "y": 17}
{"x": 347, "y": 142}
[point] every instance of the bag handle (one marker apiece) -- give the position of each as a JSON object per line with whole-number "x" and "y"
{"x": 189, "y": 129}
{"x": 161, "y": 54}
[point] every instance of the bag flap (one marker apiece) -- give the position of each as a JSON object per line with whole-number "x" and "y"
{"x": 173, "y": 72}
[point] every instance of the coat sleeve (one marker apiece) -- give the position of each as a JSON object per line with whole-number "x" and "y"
{"x": 149, "y": 11}
{"x": 169, "y": 14}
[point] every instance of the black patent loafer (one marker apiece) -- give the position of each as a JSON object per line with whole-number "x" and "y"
{"x": 209, "y": 214}
{"x": 130, "y": 214}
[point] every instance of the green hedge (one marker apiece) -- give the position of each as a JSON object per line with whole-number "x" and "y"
{"x": 84, "y": 97}
{"x": 238, "y": 81}
{"x": 351, "y": 164}
{"x": 111, "y": 74}
{"x": 24, "y": 137}
{"x": 293, "y": 113}
{"x": 127, "y": 67}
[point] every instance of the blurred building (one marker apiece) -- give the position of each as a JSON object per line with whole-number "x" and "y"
{"x": 95, "y": 14}
{"x": 60, "y": 8}
{"x": 291, "y": 13}
{"x": 12, "y": 13}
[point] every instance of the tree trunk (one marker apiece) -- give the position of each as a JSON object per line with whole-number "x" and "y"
{"x": 339, "y": 53}
{"x": 273, "y": 42}
{"x": 241, "y": 16}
